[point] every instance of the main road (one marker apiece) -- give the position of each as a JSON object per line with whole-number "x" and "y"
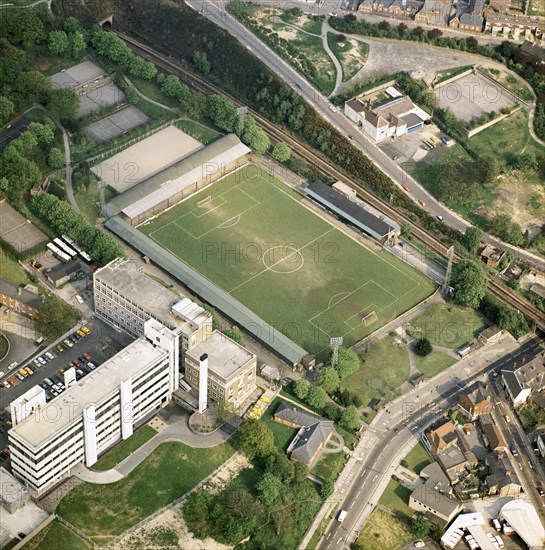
{"x": 394, "y": 434}
{"x": 215, "y": 11}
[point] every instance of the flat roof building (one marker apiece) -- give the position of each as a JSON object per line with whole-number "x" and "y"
{"x": 125, "y": 297}
{"x": 96, "y": 412}
{"x": 231, "y": 368}
{"x": 13, "y": 494}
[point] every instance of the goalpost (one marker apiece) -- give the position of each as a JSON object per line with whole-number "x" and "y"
{"x": 204, "y": 201}
{"x": 369, "y": 319}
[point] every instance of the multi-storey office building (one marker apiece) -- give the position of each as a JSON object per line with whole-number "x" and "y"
{"x": 231, "y": 368}
{"x": 126, "y": 298}
{"x": 93, "y": 414}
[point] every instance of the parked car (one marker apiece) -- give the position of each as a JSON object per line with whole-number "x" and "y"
{"x": 80, "y": 333}
{"x": 76, "y": 363}
{"x": 513, "y": 450}
{"x": 406, "y": 187}
{"x": 59, "y": 348}
{"x": 22, "y": 372}
{"x": 19, "y": 376}
{"x": 75, "y": 338}
{"x": 50, "y": 355}
{"x": 68, "y": 343}
{"x": 91, "y": 365}
{"x": 86, "y": 356}
{"x": 421, "y": 202}
{"x": 79, "y": 299}
{"x": 41, "y": 360}
{"x": 541, "y": 491}
{"x": 440, "y": 218}
{"x": 46, "y": 358}
{"x": 86, "y": 329}
{"x": 48, "y": 381}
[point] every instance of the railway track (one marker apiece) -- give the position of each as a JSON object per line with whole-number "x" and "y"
{"x": 496, "y": 287}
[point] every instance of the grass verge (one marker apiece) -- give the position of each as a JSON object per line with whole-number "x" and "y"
{"x": 418, "y": 458}
{"x": 56, "y": 536}
{"x": 434, "y": 363}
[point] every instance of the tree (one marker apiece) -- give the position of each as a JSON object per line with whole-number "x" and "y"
{"x": 329, "y": 380}
{"x": 525, "y": 161}
{"x": 196, "y": 513}
{"x": 22, "y": 174}
{"x": 503, "y": 227}
{"x": 420, "y": 527}
{"x": 239, "y": 502}
{"x": 201, "y": 62}
{"x": 58, "y": 43}
{"x": 6, "y": 109}
{"x": 423, "y": 347}
{"x": 255, "y": 137}
{"x": 472, "y": 239}
{"x": 348, "y": 362}
{"x": 55, "y": 158}
{"x": 132, "y": 96}
{"x": 469, "y": 283}
{"x": 490, "y": 167}
{"x": 433, "y": 34}
{"x": 340, "y": 38}
{"x": 281, "y": 466}
{"x": 55, "y": 317}
{"x": 326, "y": 489}
{"x": 332, "y": 411}
{"x": 62, "y": 103}
{"x": 300, "y": 472}
{"x": 255, "y": 439}
{"x": 30, "y": 28}
{"x": 301, "y": 389}
{"x": 222, "y": 112}
{"x": 31, "y": 85}
{"x": 384, "y": 25}
{"x": 44, "y": 133}
{"x": 172, "y": 87}
{"x": 350, "y": 418}
{"x": 78, "y": 44}
{"x": 471, "y": 42}
{"x": 281, "y": 152}
{"x": 316, "y": 398}
{"x": 269, "y": 489}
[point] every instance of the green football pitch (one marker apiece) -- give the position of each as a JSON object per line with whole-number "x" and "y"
{"x": 251, "y": 235}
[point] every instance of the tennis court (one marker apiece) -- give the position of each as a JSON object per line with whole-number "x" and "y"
{"x": 16, "y": 230}
{"x": 119, "y": 123}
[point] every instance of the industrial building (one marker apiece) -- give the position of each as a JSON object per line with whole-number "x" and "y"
{"x": 180, "y": 180}
{"x": 126, "y": 298}
{"x": 523, "y": 518}
{"x": 395, "y": 117}
{"x": 48, "y": 440}
{"x": 354, "y": 211}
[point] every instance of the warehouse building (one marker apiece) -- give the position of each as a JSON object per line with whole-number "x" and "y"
{"x": 126, "y": 298}
{"x": 354, "y": 211}
{"x": 180, "y": 180}
{"x": 93, "y": 414}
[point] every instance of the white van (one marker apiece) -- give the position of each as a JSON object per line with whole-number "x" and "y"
{"x": 497, "y": 525}
{"x": 341, "y": 516}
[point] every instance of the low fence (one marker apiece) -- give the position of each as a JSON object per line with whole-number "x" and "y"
{"x": 471, "y": 133}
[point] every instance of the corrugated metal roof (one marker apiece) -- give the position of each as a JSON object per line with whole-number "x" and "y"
{"x": 209, "y": 292}
{"x": 177, "y": 177}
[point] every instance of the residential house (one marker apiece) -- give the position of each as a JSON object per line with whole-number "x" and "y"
{"x": 540, "y": 440}
{"x": 520, "y": 381}
{"x": 20, "y": 299}
{"x": 314, "y": 432}
{"x": 502, "y": 479}
{"x": 442, "y": 437}
{"x": 435, "y": 495}
{"x": 533, "y": 50}
{"x": 494, "y": 437}
{"x": 468, "y": 17}
{"x": 475, "y": 400}
{"x": 455, "y": 461}
{"x": 436, "y": 13}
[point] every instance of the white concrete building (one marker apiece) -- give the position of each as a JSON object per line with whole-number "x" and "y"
{"x": 395, "y": 117}
{"x": 101, "y": 409}
{"x": 126, "y": 298}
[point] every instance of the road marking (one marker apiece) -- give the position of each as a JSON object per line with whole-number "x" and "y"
{"x": 376, "y": 475}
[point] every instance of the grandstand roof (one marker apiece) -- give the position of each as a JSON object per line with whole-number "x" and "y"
{"x": 209, "y": 292}
{"x": 175, "y": 178}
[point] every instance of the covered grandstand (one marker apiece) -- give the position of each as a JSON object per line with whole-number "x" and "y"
{"x": 354, "y": 211}
{"x": 524, "y": 519}
{"x": 274, "y": 340}
{"x": 180, "y": 180}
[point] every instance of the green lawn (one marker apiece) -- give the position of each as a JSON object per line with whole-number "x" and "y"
{"x": 449, "y": 73}
{"x": 123, "y": 449}
{"x": 11, "y": 271}
{"x": 448, "y": 326}
{"x": 3, "y": 346}
{"x": 329, "y": 466}
{"x": 418, "y": 458}
{"x": 396, "y": 498}
{"x": 282, "y": 434}
{"x": 104, "y": 511}
{"x": 352, "y": 54}
{"x": 309, "y": 23}
{"x": 385, "y": 368}
{"x": 152, "y": 91}
{"x": 434, "y": 363}
{"x": 56, "y": 536}
{"x": 285, "y": 254}
{"x": 200, "y": 132}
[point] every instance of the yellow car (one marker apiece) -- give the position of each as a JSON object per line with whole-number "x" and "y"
{"x": 86, "y": 330}
{"x": 23, "y": 372}
{"x": 264, "y": 399}
{"x": 29, "y": 371}
{"x": 80, "y": 332}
